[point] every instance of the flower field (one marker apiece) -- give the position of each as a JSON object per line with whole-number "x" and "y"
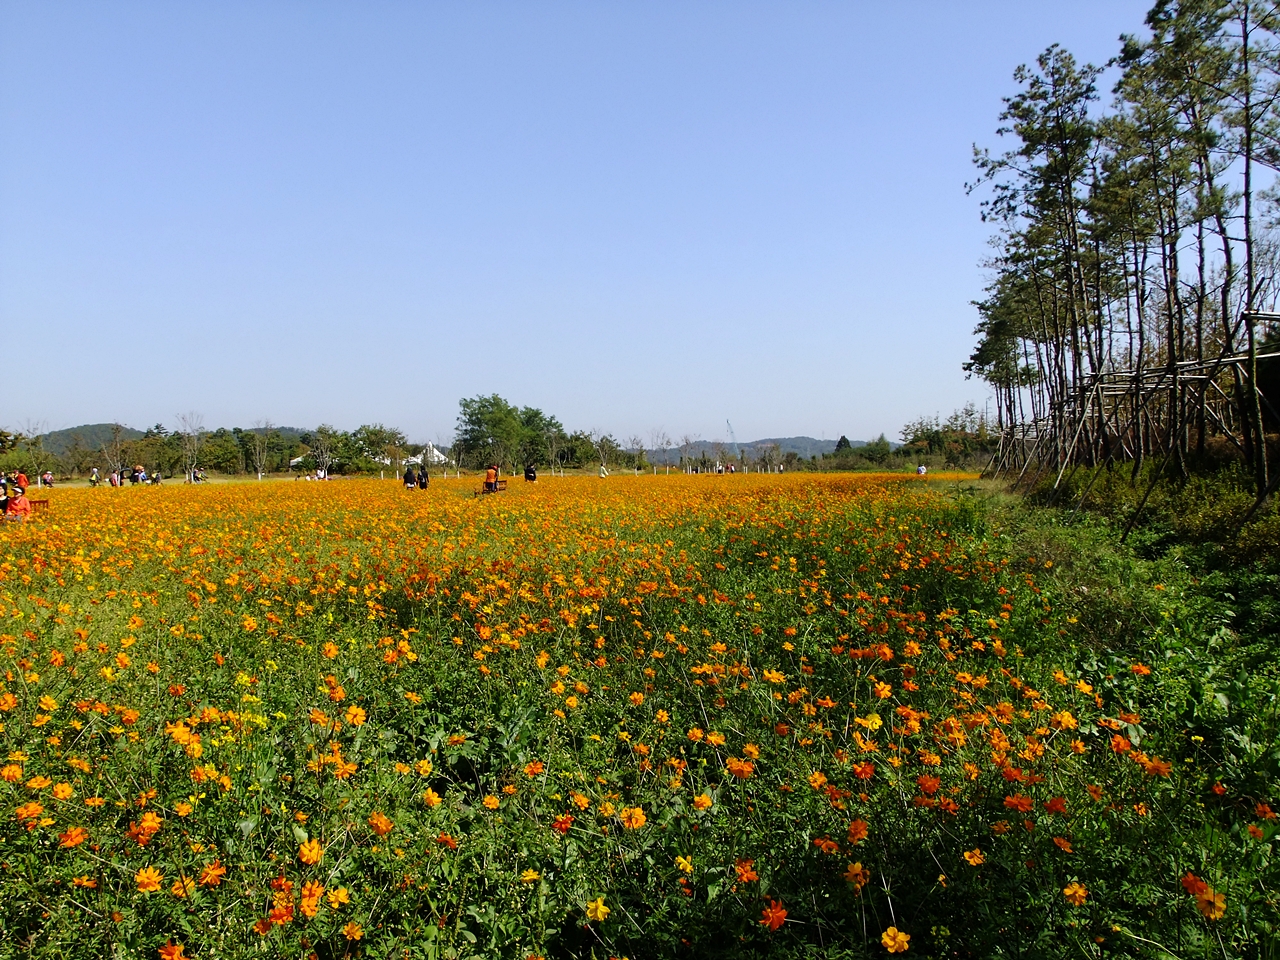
{"x": 641, "y": 717}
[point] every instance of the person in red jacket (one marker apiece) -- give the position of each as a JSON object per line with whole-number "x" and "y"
{"x": 19, "y": 507}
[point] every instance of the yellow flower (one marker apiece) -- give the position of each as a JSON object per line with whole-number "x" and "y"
{"x": 530, "y": 876}
{"x": 975, "y": 857}
{"x": 352, "y": 931}
{"x": 685, "y": 864}
{"x": 702, "y": 801}
{"x": 338, "y": 896}
{"x": 1075, "y": 893}
{"x": 596, "y": 910}
{"x": 490, "y": 802}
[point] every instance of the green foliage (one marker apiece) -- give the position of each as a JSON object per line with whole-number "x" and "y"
{"x": 491, "y": 430}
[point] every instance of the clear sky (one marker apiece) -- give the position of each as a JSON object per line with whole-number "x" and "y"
{"x": 630, "y": 214}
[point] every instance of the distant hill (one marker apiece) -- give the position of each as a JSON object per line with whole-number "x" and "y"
{"x": 804, "y": 447}
{"x": 92, "y": 437}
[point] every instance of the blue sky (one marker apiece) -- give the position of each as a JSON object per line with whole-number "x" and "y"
{"x": 633, "y": 215}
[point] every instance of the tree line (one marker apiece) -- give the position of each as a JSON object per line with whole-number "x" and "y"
{"x": 1135, "y": 254}
{"x": 489, "y": 430}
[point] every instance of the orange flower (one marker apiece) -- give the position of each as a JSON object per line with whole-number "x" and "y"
{"x": 702, "y": 801}
{"x": 534, "y": 768}
{"x": 311, "y": 852}
{"x": 73, "y": 837}
{"x": 148, "y": 879}
{"x": 1075, "y": 894}
{"x": 352, "y": 931}
{"x": 773, "y": 915}
{"x": 745, "y": 870}
{"x": 894, "y": 940}
{"x": 1019, "y": 802}
{"x": 975, "y": 857}
{"x": 858, "y": 831}
{"x": 212, "y": 873}
{"x": 857, "y": 875}
{"x": 562, "y": 823}
{"x": 1211, "y": 903}
{"x": 172, "y": 951}
{"x": 381, "y": 824}
{"x": 632, "y": 818}
{"x": 742, "y": 769}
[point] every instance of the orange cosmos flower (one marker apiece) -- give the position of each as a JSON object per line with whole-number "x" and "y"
{"x": 1211, "y": 903}
{"x": 746, "y": 871}
{"x": 172, "y": 951}
{"x": 310, "y": 852}
{"x": 1075, "y": 894}
{"x": 212, "y": 873}
{"x": 352, "y": 931}
{"x": 857, "y": 875}
{"x": 858, "y": 831}
{"x": 73, "y": 837}
{"x": 894, "y": 940}
{"x": 633, "y": 818}
{"x": 702, "y": 801}
{"x": 975, "y": 857}
{"x": 148, "y": 879}
{"x": 773, "y": 915}
{"x": 381, "y": 824}
{"x": 742, "y": 769}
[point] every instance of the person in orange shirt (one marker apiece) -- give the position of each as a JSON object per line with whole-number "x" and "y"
{"x": 20, "y": 479}
{"x": 491, "y": 479}
{"x": 19, "y": 507}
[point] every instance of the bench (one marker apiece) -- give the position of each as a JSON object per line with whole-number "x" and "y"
{"x": 39, "y": 506}
{"x": 500, "y": 485}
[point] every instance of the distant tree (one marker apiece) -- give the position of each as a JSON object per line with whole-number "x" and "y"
{"x": 113, "y": 449}
{"x": 843, "y": 444}
{"x": 260, "y": 446}
{"x": 659, "y": 440}
{"x": 878, "y": 450}
{"x": 635, "y": 445}
{"x": 324, "y": 445}
{"x": 220, "y": 450}
{"x": 377, "y": 445}
{"x": 687, "y": 442}
{"x": 191, "y": 431}
{"x": 489, "y": 430}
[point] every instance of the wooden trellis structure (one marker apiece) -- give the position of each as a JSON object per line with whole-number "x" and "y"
{"x": 1130, "y": 415}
